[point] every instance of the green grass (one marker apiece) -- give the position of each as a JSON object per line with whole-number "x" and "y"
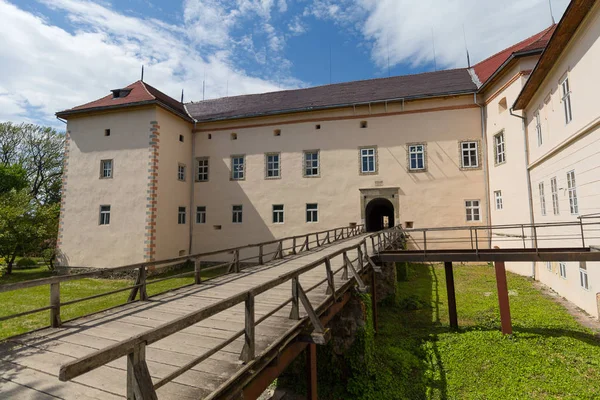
{"x": 550, "y": 356}
{"x": 27, "y": 299}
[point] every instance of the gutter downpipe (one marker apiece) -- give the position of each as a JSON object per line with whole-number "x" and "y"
{"x": 528, "y": 174}
{"x": 192, "y": 181}
{"x": 485, "y": 167}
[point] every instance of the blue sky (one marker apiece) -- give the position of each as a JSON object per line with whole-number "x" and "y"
{"x": 60, "y": 53}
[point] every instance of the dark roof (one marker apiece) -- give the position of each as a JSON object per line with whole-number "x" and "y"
{"x": 566, "y": 28}
{"x": 140, "y": 93}
{"x": 430, "y": 84}
{"x": 487, "y": 68}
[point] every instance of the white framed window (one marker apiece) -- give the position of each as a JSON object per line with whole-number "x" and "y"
{"x": 473, "y": 210}
{"x": 583, "y": 275}
{"x": 202, "y": 173}
{"x": 201, "y": 214}
{"x": 498, "y": 198}
{"x": 554, "y": 190}
{"x": 499, "y": 148}
{"x": 278, "y": 216}
{"x": 106, "y": 169}
{"x": 181, "y": 212}
{"x": 572, "y": 187}
{"x": 549, "y": 266}
{"x": 562, "y": 269}
{"x": 538, "y": 128}
{"x": 181, "y": 172}
{"x": 311, "y": 163}
{"x": 312, "y": 212}
{"x": 542, "y": 198}
{"x": 236, "y": 214}
{"x": 273, "y": 166}
{"x": 105, "y": 215}
{"x": 238, "y": 168}
{"x": 368, "y": 160}
{"x": 566, "y": 99}
{"x": 416, "y": 157}
{"x": 469, "y": 154}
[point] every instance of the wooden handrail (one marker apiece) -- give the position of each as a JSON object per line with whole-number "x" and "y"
{"x": 129, "y": 346}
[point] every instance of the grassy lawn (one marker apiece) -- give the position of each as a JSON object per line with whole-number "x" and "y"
{"x": 27, "y": 299}
{"x": 550, "y": 356}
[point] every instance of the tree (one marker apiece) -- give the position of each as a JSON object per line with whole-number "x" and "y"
{"x": 12, "y": 177}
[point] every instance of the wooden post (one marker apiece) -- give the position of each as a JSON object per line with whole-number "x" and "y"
{"x": 311, "y": 371}
{"x": 360, "y": 258}
{"x": 451, "y": 295}
{"x": 307, "y": 243}
{"x": 279, "y": 253}
{"x": 260, "y": 255}
{"x": 294, "y": 245}
{"x": 295, "y": 312}
{"x": 249, "y": 342}
{"x": 503, "y": 301}
{"x": 374, "y": 300}
{"x": 345, "y": 268}
{"x": 197, "y": 271}
{"x": 143, "y": 293}
{"x": 318, "y": 244}
{"x": 55, "y": 321}
{"x": 139, "y": 381}
{"x": 330, "y": 279}
{"x": 236, "y": 260}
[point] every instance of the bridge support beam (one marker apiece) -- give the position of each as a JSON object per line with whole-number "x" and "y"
{"x": 452, "y": 315}
{"x": 311, "y": 371}
{"x": 503, "y": 301}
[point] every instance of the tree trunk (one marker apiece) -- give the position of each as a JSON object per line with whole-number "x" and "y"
{"x": 9, "y": 265}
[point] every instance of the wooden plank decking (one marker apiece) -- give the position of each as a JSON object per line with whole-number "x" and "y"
{"x": 29, "y": 364}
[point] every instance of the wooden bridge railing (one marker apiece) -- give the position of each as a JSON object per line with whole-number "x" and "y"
{"x": 275, "y": 249}
{"x": 139, "y": 382}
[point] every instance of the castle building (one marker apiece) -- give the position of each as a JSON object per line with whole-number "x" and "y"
{"x": 509, "y": 141}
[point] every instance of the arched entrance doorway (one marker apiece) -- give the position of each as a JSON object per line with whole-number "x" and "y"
{"x": 379, "y": 214}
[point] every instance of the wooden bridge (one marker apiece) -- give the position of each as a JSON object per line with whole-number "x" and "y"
{"x": 226, "y": 337}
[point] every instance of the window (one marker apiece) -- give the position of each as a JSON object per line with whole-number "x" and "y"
{"x": 278, "y": 213}
{"x": 318, "y": 126}
{"x": 572, "y": 192}
{"x": 209, "y": 136}
{"x": 273, "y": 166}
{"x": 202, "y": 170}
{"x": 498, "y": 197}
{"x": 499, "y": 148}
{"x": 236, "y": 214}
{"x": 234, "y": 136}
{"x": 312, "y": 212}
{"x": 238, "y": 168}
{"x": 538, "y": 128}
{"x": 277, "y": 132}
{"x": 472, "y": 207}
{"x": 470, "y": 154}
{"x": 549, "y": 266}
{"x": 566, "y": 99}
{"x": 562, "y": 268}
{"x": 181, "y": 138}
{"x": 104, "y": 215}
{"x": 368, "y": 160}
{"x": 542, "y": 198}
{"x": 181, "y": 215}
{"x": 181, "y": 172}
{"x": 311, "y": 163}
{"x": 107, "y": 132}
{"x": 554, "y": 189}
{"x": 201, "y": 214}
{"x": 416, "y": 161}
{"x": 583, "y": 276}
{"x": 502, "y": 105}
{"x": 106, "y": 169}
{"x": 363, "y": 124}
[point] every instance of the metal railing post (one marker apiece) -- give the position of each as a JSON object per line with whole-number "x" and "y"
{"x": 55, "y": 321}
{"x": 535, "y": 240}
{"x": 582, "y": 235}
{"x": 476, "y": 242}
{"x": 424, "y": 241}
{"x": 523, "y": 235}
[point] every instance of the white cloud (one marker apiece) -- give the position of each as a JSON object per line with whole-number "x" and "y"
{"x": 46, "y": 68}
{"x": 402, "y": 29}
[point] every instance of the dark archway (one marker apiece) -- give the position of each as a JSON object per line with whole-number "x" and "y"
{"x": 379, "y": 214}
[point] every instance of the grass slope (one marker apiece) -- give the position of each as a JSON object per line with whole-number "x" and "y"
{"x": 550, "y": 356}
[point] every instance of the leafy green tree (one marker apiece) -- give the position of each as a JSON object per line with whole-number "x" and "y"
{"x": 12, "y": 177}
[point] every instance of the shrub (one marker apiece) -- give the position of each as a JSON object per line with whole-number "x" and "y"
{"x": 26, "y": 262}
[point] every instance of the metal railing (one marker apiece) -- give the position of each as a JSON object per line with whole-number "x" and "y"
{"x": 139, "y": 382}
{"x": 276, "y": 249}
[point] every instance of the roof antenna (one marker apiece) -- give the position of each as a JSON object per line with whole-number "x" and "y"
{"x": 387, "y": 43}
{"x": 142, "y": 74}
{"x": 181, "y": 96}
{"x": 203, "y": 88}
{"x": 551, "y": 12}
{"x": 330, "y": 66}
{"x": 433, "y": 44}
{"x": 466, "y": 48}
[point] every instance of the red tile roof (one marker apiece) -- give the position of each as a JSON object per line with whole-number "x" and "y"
{"x": 141, "y": 93}
{"x": 486, "y": 68}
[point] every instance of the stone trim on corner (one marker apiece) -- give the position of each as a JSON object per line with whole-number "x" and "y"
{"x": 152, "y": 192}
{"x": 63, "y": 191}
